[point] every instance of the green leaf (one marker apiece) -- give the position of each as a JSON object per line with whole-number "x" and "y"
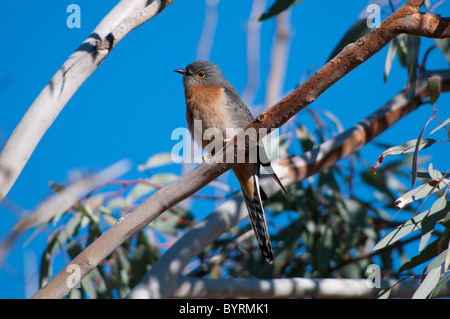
{"x": 88, "y": 286}
{"x": 447, "y": 260}
{"x": 434, "y": 88}
{"x": 402, "y": 49}
{"x": 413, "y": 43}
{"x": 307, "y": 141}
{"x": 444, "y": 46}
{"x": 438, "y": 261}
{"x": 163, "y": 178}
{"x": 442, "y": 282}
{"x": 428, "y": 253}
{"x": 415, "y": 155}
{"x": 118, "y": 202}
{"x": 437, "y": 212}
{"x": 433, "y": 173}
{"x": 424, "y": 239}
{"x": 138, "y": 191}
{"x": 156, "y": 160}
{"x": 278, "y": 7}
{"x": 393, "y": 47}
{"x": 428, "y": 284}
{"x": 70, "y": 230}
{"x": 420, "y": 192}
{"x": 384, "y": 294}
{"x": 45, "y": 269}
{"x": 441, "y": 126}
{"x": 425, "y": 220}
{"x": 401, "y": 231}
{"x": 407, "y": 147}
{"x": 356, "y": 31}
{"x": 333, "y": 118}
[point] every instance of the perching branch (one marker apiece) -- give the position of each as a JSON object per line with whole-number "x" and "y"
{"x": 161, "y": 280}
{"x": 126, "y": 16}
{"x": 407, "y": 19}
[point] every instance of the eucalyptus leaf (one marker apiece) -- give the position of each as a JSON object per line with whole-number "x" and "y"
{"x": 401, "y": 231}
{"x": 415, "y": 156}
{"x": 434, "y": 88}
{"x": 278, "y": 7}
{"x": 88, "y": 287}
{"x": 441, "y": 126}
{"x": 444, "y": 46}
{"x": 424, "y": 239}
{"x": 407, "y": 147}
{"x": 438, "y": 261}
{"x": 156, "y": 160}
{"x": 420, "y": 192}
{"x": 430, "y": 252}
{"x": 442, "y": 282}
{"x": 428, "y": 284}
{"x": 118, "y": 202}
{"x": 138, "y": 191}
{"x": 393, "y": 47}
{"x": 163, "y": 178}
{"x": 413, "y": 43}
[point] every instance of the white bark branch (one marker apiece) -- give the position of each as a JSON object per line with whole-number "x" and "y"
{"x": 253, "y": 32}
{"x": 279, "y": 58}
{"x": 126, "y": 16}
{"x": 205, "y": 44}
{"x": 189, "y": 287}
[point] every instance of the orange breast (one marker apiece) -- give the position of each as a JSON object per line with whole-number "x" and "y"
{"x": 205, "y": 103}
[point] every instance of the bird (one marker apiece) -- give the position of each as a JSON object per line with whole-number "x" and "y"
{"x": 211, "y": 99}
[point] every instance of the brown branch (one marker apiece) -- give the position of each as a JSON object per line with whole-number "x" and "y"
{"x": 348, "y": 59}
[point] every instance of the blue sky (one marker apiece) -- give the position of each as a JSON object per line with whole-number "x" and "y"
{"x": 129, "y": 107}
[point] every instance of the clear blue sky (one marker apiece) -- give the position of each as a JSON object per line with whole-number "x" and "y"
{"x": 129, "y": 107}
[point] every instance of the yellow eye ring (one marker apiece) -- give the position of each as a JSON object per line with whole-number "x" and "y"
{"x": 201, "y": 74}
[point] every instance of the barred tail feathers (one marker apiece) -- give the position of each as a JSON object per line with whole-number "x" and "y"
{"x": 258, "y": 222}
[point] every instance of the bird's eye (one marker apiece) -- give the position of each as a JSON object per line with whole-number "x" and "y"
{"x": 201, "y": 74}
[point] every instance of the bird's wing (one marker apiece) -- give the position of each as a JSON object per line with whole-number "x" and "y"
{"x": 264, "y": 160}
{"x": 238, "y": 113}
{"x": 240, "y": 116}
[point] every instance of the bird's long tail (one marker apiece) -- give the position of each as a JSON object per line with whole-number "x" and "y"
{"x": 258, "y": 221}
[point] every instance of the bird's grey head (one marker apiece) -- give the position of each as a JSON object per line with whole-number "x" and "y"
{"x": 202, "y": 72}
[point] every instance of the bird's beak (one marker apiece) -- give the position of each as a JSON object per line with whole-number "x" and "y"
{"x": 181, "y": 71}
